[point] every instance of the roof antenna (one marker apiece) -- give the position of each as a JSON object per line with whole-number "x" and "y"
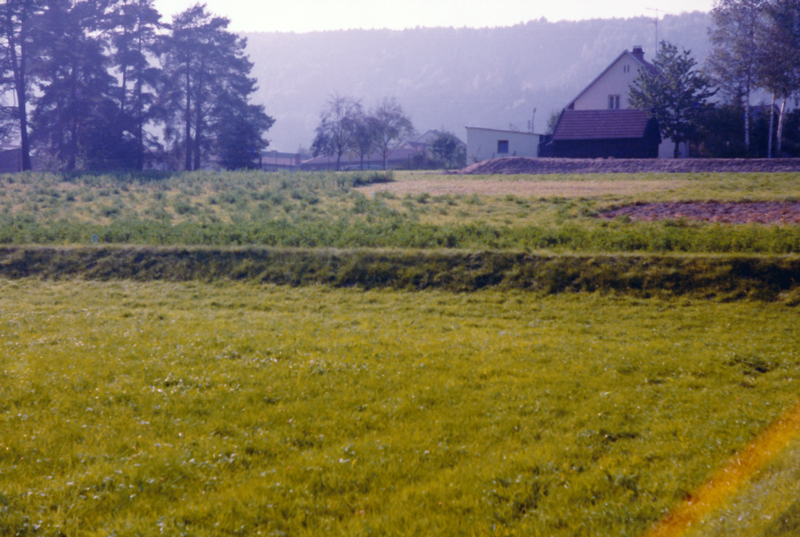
{"x": 657, "y": 10}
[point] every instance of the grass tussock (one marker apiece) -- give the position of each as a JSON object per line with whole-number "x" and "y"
{"x": 191, "y": 408}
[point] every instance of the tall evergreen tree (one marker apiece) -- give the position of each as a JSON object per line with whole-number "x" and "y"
{"x": 132, "y": 28}
{"x": 75, "y": 109}
{"x": 16, "y": 20}
{"x": 207, "y": 82}
{"x": 240, "y": 134}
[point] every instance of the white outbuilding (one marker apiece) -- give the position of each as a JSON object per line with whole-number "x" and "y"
{"x": 485, "y": 144}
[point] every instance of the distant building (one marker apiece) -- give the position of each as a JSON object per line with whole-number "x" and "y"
{"x": 274, "y": 161}
{"x": 606, "y": 135}
{"x": 485, "y": 144}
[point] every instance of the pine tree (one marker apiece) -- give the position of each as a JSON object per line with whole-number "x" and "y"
{"x": 207, "y": 83}
{"x": 75, "y": 110}
{"x": 16, "y": 19}
{"x": 132, "y": 29}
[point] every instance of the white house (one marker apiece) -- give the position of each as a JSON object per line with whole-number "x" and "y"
{"x": 486, "y": 144}
{"x": 610, "y": 91}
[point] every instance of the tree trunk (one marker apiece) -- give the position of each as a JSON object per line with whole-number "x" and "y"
{"x": 188, "y": 132}
{"x": 18, "y": 65}
{"x": 198, "y": 121}
{"x": 771, "y": 124}
{"x": 198, "y": 128}
{"x": 747, "y": 119}
{"x": 781, "y": 117}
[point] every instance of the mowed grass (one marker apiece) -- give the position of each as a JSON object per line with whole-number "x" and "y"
{"x": 236, "y": 409}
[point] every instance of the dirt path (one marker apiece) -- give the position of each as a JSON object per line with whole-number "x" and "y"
{"x": 566, "y": 189}
{"x": 538, "y": 166}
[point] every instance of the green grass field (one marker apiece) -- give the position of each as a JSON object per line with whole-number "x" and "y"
{"x": 238, "y": 409}
{"x": 529, "y": 213}
{"x": 157, "y": 382}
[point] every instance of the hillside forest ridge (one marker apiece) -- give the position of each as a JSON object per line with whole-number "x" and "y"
{"x": 107, "y": 84}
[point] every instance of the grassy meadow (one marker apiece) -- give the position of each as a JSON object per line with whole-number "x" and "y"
{"x": 555, "y": 213}
{"x": 131, "y": 408}
{"x": 443, "y": 356}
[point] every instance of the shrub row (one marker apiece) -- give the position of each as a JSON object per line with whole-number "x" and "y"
{"x": 740, "y": 276}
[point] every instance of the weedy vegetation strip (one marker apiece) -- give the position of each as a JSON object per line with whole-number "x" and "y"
{"x": 726, "y": 276}
{"x": 308, "y": 210}
{"x": 140, "y": 408}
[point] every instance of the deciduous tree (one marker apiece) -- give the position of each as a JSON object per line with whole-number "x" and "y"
{"x": 735, "y": 37}
{"x": 394, "y": 126}
{"x": 367, "y": 137}
{"x": 779, "y": 64}
{"x": 338, "y": 125}
{"x": 449, "y": 150}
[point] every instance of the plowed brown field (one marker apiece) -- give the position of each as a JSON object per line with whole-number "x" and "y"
{"x": 729, "y": 212}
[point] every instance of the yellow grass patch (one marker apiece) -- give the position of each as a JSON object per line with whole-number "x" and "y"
{"x": 739, "y": 470}
{"x": 565, "y": 189}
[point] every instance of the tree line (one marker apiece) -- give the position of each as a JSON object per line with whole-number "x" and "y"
{"x": 346, "y": 129}
{"x": 88, "y": 83}
{"x": 755, "y": 45}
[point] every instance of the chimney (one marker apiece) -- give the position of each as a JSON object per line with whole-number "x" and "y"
{"x": 638, "y": 53}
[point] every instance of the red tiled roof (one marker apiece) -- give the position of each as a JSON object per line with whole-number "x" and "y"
{"x": 601, "y": 124}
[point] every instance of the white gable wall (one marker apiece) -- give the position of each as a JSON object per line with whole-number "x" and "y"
{"x": 615, "y": 81}
{"x": 486, "y": 144}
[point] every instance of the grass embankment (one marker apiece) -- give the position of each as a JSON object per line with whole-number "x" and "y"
{"x": 208, "y": 409}
{"x": 555, "y": 213}
{"x": 720, "y": 276}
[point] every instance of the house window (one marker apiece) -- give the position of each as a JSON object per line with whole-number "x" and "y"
{"x": 502, "y": 146}
{"x": 626, "y": 68}
{"x": 613, "y": 102}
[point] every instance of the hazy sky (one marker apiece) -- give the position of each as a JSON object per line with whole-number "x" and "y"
{"x": 314, "y": 15}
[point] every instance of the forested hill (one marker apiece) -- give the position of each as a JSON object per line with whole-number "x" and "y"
{"x": 450, "y": 77}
